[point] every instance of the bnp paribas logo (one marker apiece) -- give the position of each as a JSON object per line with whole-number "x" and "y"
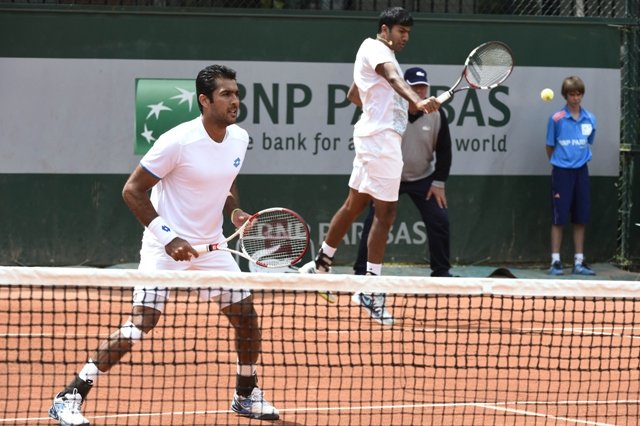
{"x": 160, "y": 105}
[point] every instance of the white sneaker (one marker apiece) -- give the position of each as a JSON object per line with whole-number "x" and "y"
{"x": 373, "y": 303}
{"x": 310, "y": 268}
{"x": 321, "y": 265}
{"x": 254, "y": 406}
{"x": 66, "y": 410}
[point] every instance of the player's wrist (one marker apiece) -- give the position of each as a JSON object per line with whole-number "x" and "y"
{"x": 162, "y": 231}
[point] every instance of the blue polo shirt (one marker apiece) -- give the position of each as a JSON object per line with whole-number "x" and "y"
{"x": 571, "y": 138}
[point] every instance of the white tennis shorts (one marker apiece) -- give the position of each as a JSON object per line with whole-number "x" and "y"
{"x": 153, "y": 258}
{"x": 377, "y": 166}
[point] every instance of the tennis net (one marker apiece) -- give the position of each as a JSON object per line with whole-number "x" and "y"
{"x": 462, "y": 351}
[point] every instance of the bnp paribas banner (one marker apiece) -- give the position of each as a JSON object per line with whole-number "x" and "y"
{"x": 100, "y": 115}
{"x": 303, "y": 124}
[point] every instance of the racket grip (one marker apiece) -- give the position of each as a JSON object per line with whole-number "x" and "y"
{"x": 203, "y": 248}
{"x": 444, "y": 97}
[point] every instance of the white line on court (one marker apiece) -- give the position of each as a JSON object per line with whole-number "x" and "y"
{"x": 546, "y": 416}
{"x": 625, "y": 332}
{"x": 501, "y": 406}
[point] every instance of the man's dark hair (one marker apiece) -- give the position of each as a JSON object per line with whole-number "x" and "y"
{"x": 395, "y": 16}
{"x": 206, "y": 81}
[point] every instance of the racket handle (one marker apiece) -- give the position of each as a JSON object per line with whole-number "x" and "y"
{"x": 203, "y": 248}
{"x": 444, "y": 97}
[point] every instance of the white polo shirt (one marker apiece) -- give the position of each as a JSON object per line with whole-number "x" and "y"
{"x": 383, "y": 108}
{"x": 196, "y": 175}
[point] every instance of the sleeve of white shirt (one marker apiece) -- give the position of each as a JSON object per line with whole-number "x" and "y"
{"x": 162, "y": 157}
{"x": 379, "y": 55}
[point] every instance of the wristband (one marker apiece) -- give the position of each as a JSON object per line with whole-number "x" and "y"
{"x": 161, "y": 231}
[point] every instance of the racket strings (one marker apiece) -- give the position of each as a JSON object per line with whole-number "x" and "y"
{"x": 489, "y": 65}
{"x": 275, "y": 238}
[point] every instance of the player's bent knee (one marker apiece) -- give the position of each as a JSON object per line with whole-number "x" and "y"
{"x": 131, "y": 332}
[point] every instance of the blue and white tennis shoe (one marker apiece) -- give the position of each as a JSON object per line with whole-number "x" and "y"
{"x": 582, "y": 269}
{"x": 320, "y": 265}
{"x": 374, "y": 303}
{"x": 254, "y": 406}
{"x": 66, "y": 409}
{"x": 556, "y": 268}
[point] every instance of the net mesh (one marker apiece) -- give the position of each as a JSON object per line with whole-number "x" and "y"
{"x": 488, "y": 65}
{"x": 462, "y": 350}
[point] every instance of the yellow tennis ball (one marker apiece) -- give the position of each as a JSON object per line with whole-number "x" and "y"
{"x": 546, "y": 94}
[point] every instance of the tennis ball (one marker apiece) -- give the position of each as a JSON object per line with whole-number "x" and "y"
{"x": 546, "y": 94}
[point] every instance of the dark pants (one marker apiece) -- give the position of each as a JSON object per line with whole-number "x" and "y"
{"x": 436, "y": 221}
{"x": 570, "y": 195}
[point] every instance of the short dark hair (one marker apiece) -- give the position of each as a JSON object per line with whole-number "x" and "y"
{"x": 572, "y": 84}
{"x": 395, "y": 16}
{"x": 206, "y": 80}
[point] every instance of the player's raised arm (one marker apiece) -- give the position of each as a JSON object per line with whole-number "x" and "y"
{"x": 390, "y": 73}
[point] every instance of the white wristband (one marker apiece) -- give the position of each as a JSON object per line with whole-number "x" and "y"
{"x": 161, "y": 231}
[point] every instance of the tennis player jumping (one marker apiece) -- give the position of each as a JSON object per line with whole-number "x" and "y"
{"x": 381, "y": 91}
{"x": 191, "y": 172}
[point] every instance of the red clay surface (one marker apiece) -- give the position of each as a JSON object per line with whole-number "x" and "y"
{"x": 476, "y": 360}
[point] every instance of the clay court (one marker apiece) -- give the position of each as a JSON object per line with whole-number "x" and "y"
{"x": 464, "y": 360}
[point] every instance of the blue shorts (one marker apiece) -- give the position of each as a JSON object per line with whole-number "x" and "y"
{"x": 570, "y": 195}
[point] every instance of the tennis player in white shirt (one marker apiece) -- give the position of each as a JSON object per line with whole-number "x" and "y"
{"x": 191, "y": 172}
{"x": 385, "y": 97}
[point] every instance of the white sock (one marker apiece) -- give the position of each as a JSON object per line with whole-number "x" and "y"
{"x": 89, "y": 372}
{"x": 328, "y": 250}
{"x": 246, "y": 370}
{"x": 578, "y": 259}
{"x": 555, "y": 257}
{"x": 375, "y": 268}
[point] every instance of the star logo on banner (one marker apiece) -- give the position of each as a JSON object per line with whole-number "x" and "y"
{"x": 161, "y": 105}
{"x": 156, "y": 109}
{"x": 184, "y": 96}
{"x": 147, "y": 134}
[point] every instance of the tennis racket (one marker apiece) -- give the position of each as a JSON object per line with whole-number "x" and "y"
{"x": 272, "y": 238}
{"x": 487, "y": 66}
